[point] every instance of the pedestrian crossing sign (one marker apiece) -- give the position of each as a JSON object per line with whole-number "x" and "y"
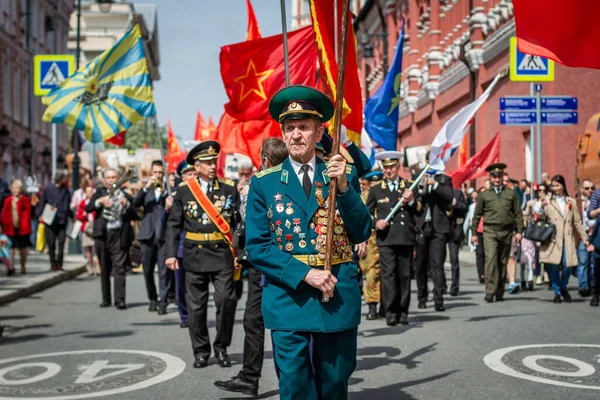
{"x": 528, "y": 68}
{"x": 49, "y": 70}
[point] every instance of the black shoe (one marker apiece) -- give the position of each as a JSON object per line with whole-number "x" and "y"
{"x": 162, "y": 309}
{"x": 440, "y": 307}
{"x": 184, "y": 325}
{"x": 566, "y": 296}
{"x": 585, "y": 292}
{"x": 453, "y": 292}
{"x": 422, "y": 305}
{"x": 239, "y": 385}
{"x": 445, "y": 290}
{"x": 120, "y": 305}
{"x": 557, "y": 299}
{"x": 223, "y": 359}
{"x": 170, "y": 300}
{"x": 489, "y": 298}
{"x": 152, "y": 306}
{"x": 372, "y": 314}
{"x": 201, "y": 362}
{"x": 595, "y": 302}
{"x": 482, "y": 279}
{"x": 10, "y": 272}
{"x": 404, "y": 319}
{"x": 391, "y": 321}
{"x": 500, "y": 297}
{"x": 530, "y": 286}
{"x": 105, "y": 304}
{"x": 524, "y": 285}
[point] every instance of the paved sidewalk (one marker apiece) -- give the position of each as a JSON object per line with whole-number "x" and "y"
{"x": 39, "y": 276}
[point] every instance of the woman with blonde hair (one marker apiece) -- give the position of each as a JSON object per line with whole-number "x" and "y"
{"x": 16, "y": 222}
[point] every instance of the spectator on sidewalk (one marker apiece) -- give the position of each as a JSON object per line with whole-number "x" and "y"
{"x": 478, "y": 249}
{"x": 560, "y": 252}
{"x": 16, "y": 222}
{"x": 585, "y": 258}
{"x": 540, "y": 272}
{"x": 593, "y": 213}
{"x": 58, "y": 196}
{"x": 513, "y": 286}
{"x": 5, "y": 246}
{"x": 35, "y": 200}
{"x": 87, "y": 230}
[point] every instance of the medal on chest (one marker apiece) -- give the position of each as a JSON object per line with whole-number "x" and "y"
{"x": 289, "y": 210}
{"x": 289, "y": 245}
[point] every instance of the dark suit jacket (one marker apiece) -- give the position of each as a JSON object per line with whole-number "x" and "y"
{"x": 100, "y": 222}
{"x": 153, "y": 222}
{"x": 380, "y": 202}
{"x": 459, "y": 210}
{"x": 439, "y": 202}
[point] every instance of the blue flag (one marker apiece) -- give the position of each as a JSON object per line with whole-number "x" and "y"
{"x": 381, "y": 110}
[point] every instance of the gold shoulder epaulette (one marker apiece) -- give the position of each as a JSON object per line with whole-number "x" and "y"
{"x": 268, "y": 171}
{"x": 226, "y": 181}
{"x": 348, "y": 169}
{"x": 183, "y": 184}
{"x": 379, "y": 182}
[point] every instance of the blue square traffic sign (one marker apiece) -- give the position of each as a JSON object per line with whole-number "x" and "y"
{"x": 529, "y": 68}
{"x": 50, "y": 70}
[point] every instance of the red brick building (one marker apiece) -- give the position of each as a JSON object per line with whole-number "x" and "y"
{"x": 452, "y": 51}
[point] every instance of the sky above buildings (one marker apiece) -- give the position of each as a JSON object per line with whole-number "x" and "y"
{"x": 191, "y": 33}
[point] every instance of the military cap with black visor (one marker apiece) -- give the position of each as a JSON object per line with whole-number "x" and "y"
{"x": 205, "y": 151}
{"x": 496, "y": 169}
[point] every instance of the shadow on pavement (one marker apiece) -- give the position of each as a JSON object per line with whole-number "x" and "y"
{"x": 381, "y": 356}
{"x": 11, "y": 317}
{"x": 264, "y": 395}
{"x": 488, "y": 317}
{"x": 458, "y": 304}
{"x": 106, "y": 335}
{"x": 394, "y": 391}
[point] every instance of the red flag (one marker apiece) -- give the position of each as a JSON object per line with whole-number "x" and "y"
{"x": 211, "y": 127}
{"x": 174, "y": 153}
{"x": 118, "y": 139}
{"x": 476, "y": 165}
{"x": 559, "y": 30}
{"x": 252, "y": 32}
{"x": 253, "y": 71}
{"x": 322, "y": 13}
{"x": 203, "y": 131}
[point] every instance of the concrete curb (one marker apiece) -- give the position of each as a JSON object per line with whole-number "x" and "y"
{"x": 53, "y": 280}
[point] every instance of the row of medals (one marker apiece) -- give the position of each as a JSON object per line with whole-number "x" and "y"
{"x": 192, "y": 210}
{"x": 341, "y": 246}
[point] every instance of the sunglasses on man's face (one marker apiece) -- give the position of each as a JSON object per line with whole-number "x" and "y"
{"x": 588, "y": 188}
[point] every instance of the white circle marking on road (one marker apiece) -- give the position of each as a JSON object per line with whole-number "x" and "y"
{"x": 494, "y": 361}
{"x": 585, "y": 369}
{"x": 52, "y": 369}
{"x": 175, "y": 366}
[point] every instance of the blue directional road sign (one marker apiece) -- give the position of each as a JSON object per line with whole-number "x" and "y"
{"x": 559, "y": 118}
{"x": 517, "y": 103}
{"x": 559, "y": 103}
{"x": 529, "y": 68}
{"x": 49, "y": 70}
{"x": 517, "y": 118}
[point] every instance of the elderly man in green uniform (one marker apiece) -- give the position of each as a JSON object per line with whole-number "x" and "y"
{"x": 502, "y": 217}
{"x": 286, "y": 226}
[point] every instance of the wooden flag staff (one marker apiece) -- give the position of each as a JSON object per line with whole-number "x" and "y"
{"x": 337, "y": 125}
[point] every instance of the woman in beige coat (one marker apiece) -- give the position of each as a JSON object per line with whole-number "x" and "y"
{"x": 561, "y": 252}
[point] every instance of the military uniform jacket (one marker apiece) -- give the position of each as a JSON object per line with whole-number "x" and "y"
{"x": 500, "y": 212}
{"x": 282, "y": 223}
{"x": 187, "y": 214}
{"x": 380, "y": 202}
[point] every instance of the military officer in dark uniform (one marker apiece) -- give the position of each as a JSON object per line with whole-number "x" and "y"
{"x": 502, "y": 217}
{"x": 286, "y": 226}
{"x": 203, "y": 208}
{"x": 395, "y": 239}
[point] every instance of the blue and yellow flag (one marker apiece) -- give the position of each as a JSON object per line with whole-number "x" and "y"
{"x": 107, "y": 96}
{"x": 381, "y": 110}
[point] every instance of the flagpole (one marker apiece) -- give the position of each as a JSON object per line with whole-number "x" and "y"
{"x": 336, "y": 50}
{"x": 162, "y": 153}
{"x": 412, "y": 189}
{"x": 286, "y": 61}
{"x": 337, "y": 127}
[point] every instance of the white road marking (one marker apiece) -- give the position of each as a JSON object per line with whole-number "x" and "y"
{"x": 91, "y": 372}
{"x": 52, "y": 370}
{"x": 585, "y": 369}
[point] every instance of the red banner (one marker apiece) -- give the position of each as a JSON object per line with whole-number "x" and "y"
{"x": 476, "y": 165}
{"x": 174, "y": 153}
{"x": 559, "y": 30}
{"x": 252, "y": 32}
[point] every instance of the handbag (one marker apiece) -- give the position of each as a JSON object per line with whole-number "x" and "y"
{"x": 540, "y": 231}
{"x": 40, "y": 238}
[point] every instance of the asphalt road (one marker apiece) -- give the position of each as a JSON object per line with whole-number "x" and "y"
{"x": 134, "y": 354}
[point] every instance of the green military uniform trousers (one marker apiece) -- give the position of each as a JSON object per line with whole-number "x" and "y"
{"x": 371, "y": 270}
{"x": 496, "y": 246}
{"x": 326, "y": 378}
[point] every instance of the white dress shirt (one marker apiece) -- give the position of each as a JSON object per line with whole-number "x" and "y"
{"x": 299, "y": 173}
{"x": 561, "y": 200}
{"x": 394, "y": 183}
{"x": 206, "y": 186}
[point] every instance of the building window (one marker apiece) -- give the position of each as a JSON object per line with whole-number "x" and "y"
{"x": 26, "y": 96}
{"x": 6, "y": 84}
{"x": 13, "y": 17}
{"x": 17, "y": 95}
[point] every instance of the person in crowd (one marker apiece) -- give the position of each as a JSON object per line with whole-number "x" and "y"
{"x": 560, "y": 253}
{"x": 273, "y": 153}
{"x": 57, "y": 196}
{"x": 172, "y": 180}
{"x": 526, "y": 194}
{"x": 151, "y": 235}
{"x": 502, "y": 215}
{"x": 540, "y": 272}
{"x": 511, "y": 268}
{"x": 396, "y": 238}
{"x": 546, "y": 181}
{"x": 113, "y": 235}
{"x": 87, "y": 230}
{"x": 16, "y": 223}
{"x": 434, "y": 226}
{"x": 585, "y": 258}
{"x": 35, "y": 200}
{"x": 478, "y": 249}
{"x": 245, "y": 172}
{"x": 457, "y": 218}
{"x": 199, "y": 208}
{"x": 5, "y": 246}
{"x": 487, "y": 184}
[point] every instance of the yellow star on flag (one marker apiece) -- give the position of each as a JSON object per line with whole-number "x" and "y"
{"x": 252, "y": 82}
